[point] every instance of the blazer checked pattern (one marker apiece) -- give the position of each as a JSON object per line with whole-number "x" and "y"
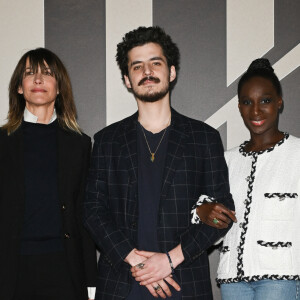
{"x": 194, "y": 165}
{"x": 73, "y": 160}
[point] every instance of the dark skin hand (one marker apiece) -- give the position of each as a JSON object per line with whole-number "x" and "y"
{"x": 208, "y": 211}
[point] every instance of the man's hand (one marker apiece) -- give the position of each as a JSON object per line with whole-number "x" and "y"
{"x": 157, "y": 289}
{"x": 133, "y": 258}
{"x": 157, "y": 266}
{"x": 161, "y": 289}
{"x": 207, "y": 212}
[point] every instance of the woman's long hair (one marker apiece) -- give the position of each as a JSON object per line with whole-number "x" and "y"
{"x": 64, "y": 103}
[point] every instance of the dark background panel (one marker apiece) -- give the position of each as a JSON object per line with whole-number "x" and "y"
{"x": 199, "y": 29}
{"x": 75, "y": 31}
{"x": 289, "y": 120}
{"x": 287, "y": 36}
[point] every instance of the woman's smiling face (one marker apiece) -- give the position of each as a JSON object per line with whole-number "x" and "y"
{"x": 259, "y": 105}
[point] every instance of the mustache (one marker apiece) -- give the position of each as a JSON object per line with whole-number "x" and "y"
{"x": 150, "y": 78}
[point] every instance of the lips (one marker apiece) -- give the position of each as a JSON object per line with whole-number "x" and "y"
{"x": 38, "y": 90}
{"x": 148, "y": 81}
{"x": 258, "y": 122}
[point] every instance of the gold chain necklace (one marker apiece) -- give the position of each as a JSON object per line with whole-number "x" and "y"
{"x": 152, "y": 157}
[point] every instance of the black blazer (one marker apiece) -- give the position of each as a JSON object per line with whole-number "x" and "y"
{"x": 73, "y": 160}
{"x": 194, "y": 166}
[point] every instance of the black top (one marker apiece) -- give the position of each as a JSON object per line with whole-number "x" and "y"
{"x": 150, "y": 176}
{"x": 41, "y": 230}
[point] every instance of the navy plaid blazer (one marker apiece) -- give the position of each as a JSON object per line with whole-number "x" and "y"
{"x": 194, "y": 166}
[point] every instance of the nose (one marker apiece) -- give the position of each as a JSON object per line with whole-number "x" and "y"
{"x": 147, "y": 69}
{"x": 256, "y": 109}
{"x": 38, "y": 78}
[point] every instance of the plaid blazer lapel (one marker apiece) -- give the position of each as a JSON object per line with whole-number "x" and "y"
{"x": 128, "y": 140}
{"x": 177, "y": 136}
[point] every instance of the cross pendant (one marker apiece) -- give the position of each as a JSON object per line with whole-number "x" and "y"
{"x": 152, "y": 157}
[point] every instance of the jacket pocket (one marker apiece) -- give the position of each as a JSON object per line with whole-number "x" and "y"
{"x": 279, "y": 206}
{"x": 275, "y": 255}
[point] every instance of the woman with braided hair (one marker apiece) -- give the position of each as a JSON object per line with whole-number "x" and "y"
{"x": 260, "y": 256}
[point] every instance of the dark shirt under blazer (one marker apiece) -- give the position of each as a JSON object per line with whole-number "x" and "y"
{"x": 194, "y": 166}
{"x": 73, "y": 158}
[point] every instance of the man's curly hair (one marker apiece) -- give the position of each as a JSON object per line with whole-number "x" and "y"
{"x": 142, "y": 36}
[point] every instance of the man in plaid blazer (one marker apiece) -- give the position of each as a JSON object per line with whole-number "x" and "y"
{"x": 147, "y": 172}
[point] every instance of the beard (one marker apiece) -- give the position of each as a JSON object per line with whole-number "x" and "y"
{"x": 151, "y": 96}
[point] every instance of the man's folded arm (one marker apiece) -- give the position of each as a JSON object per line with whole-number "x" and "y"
{"x": 199, "y": 237}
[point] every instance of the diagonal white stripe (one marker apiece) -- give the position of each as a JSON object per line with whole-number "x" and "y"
{"x": 229, "y": 113}
{"x": 288, "y": 63}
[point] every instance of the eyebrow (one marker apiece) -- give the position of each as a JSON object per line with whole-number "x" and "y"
{"x": 44, "y": 68}
{"x": 151, "y": 59}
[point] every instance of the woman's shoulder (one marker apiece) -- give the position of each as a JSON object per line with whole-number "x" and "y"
{"x": 3, "y": 133}
{"x": 76, "y": 136}
{"x": 292, "y": 148}
{"x": 233, "y": 152}
{"x": 293, "y": 140}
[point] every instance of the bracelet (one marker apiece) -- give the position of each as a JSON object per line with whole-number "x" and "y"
{"x": 171, "y": 263}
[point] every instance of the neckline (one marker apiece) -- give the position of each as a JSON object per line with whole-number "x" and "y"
{"x": 251, "y": 153}
{"x": 27, "y": 124}
{"x": 151, "y": 134}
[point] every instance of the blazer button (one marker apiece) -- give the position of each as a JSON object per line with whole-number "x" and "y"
{"x": 67, "y": 235}
{"x": 63, "y": 207}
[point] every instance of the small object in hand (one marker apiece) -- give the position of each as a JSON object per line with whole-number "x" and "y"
{"x": 215, "y": 221}
{"x": 157, "y": 288}
{"x": 140, "y": 266}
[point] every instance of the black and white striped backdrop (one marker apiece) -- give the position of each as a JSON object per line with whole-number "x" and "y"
{"x": 217, "y": 39}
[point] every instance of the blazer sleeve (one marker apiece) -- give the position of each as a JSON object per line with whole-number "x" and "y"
{"x": 88, "y": 245}
{"x": 111, "y": 241}
{"x": 199, "y": 237}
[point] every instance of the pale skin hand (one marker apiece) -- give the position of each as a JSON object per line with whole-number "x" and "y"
{"x": 208, "y": 211}
{"x": 133, "y": 258}
{"x": 157, "y": 266}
